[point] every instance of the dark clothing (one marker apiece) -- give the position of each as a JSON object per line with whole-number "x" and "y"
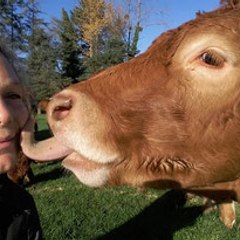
{"x": 18, "y": 214}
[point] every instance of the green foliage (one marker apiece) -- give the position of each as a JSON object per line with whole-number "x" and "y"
{"x": 70, "y": 50}
{"x": 114, "y": 52}
{"x": 104, "y": 32}
{"x": 133, "y": 33}
{"x": 90, "y": 18}
{"x": 133, "y": 49}
{"x": 44, "y": 81}
{"x": 12, "y": 25}
{"x": 41, "y": 61}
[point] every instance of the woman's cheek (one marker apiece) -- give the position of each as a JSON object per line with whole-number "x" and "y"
{"x": 22, "y": 114}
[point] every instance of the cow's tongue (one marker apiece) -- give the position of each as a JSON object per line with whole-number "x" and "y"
{"x": 46, "y": 150}
{"x": 51, "y": 149}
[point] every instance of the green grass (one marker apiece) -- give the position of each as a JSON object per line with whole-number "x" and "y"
{"x": 69, "y": 210}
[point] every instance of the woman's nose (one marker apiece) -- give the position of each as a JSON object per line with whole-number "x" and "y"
{"x": 5, "y": 113}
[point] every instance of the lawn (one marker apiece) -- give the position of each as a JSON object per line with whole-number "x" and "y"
{"x": 71, "y": 211}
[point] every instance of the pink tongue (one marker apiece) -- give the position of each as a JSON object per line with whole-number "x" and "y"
{"x": 46, "y": 150}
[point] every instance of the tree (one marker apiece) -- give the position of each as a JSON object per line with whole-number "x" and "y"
{"x": 132, "y": 51}
{"x": 102, "y": 27}
{"x": 43, "y": 78}
{"x": 90, "y": 18}
{"x": 113, "y": 53}
{"x": 133, "y": 32}
{"x": 12, "y": 25}
{"x": 70, "y": 49}
{"x": 33, "y": 21}
{"x": 112, "y": 48}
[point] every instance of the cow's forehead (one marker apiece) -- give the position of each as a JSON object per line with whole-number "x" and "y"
{"x": 211, "y": 30}
{"x": 221, "y": 24}
{"x": 216, "y": 21}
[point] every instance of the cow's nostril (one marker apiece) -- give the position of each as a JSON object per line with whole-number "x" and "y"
{"x": 62, "y": 109}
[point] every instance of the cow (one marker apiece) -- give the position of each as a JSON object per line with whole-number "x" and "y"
{"x": 169, "y": 118}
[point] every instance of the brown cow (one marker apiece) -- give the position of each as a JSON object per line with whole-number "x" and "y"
{"x": 169, "y": 118}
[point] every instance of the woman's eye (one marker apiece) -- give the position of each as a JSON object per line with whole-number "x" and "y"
{"x": 12, "y": 96}
{"x": 212, "y": 59}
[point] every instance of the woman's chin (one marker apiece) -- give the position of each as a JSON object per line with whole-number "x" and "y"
{"x": 7, "y": 161}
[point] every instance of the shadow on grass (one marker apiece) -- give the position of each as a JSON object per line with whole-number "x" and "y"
{"x": 159, "y": 221}
{"x": 57, "y": 172}
{"x": 43, "y": 134}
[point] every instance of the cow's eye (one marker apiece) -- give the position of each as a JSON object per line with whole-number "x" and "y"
{"x": 212, "y": 59}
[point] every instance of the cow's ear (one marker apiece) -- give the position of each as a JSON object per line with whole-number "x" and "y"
{"x": 235, "y": 4}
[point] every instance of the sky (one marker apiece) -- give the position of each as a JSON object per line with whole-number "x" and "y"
{"x": 157, "y": 15}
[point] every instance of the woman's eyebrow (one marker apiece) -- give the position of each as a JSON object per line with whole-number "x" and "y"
{"x": 11, "y": 86}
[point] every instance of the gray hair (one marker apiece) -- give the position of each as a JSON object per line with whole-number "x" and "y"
{"x": 12, "y": 58}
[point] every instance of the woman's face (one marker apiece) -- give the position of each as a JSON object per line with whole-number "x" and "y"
{"x": 13, "y": 114}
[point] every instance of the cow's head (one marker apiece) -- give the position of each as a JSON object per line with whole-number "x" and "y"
{"x": 170, "y": 117}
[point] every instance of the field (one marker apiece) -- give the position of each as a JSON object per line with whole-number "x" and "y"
{"x": 71, "y": 211}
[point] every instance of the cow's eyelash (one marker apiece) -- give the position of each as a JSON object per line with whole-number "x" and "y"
{"x": 212, "y": 59}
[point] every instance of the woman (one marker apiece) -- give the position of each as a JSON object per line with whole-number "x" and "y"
{"x": 18, "y": 215}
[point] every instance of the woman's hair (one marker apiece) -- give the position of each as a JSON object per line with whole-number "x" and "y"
{"x": 5, "y": 50}
{"x": 11, "y": 58}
